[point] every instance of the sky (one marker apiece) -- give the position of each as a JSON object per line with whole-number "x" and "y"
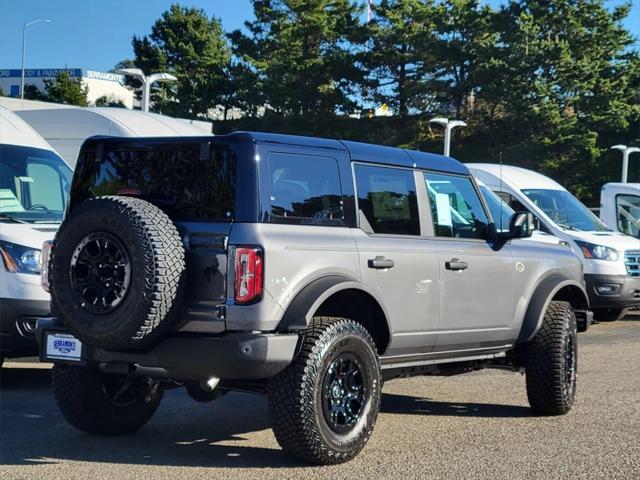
{"x": 96, "y": 34}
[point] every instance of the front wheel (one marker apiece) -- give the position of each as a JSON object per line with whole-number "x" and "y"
{"x": 552, "y": 362}
{"x": 102, "y": 404}
{"x": 324, "y": 405}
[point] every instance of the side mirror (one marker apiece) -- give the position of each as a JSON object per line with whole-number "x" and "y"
{"x": 521, "y": 225}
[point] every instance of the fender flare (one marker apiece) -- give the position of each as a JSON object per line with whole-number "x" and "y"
{"x": 300, "y": 310}
{"x": 540, "y": 300}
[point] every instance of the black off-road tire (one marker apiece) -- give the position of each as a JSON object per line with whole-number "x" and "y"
{"x": 80, "y": 393}
{"x": 552, "y": 362}
{"x": 155, "y": 283}
{"x": 295, "y": 395}
{"x": 609, "y": 314}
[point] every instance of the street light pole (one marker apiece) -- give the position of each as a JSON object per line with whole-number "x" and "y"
{"x": 147, "y": 81}
{"x": 24, "y": 50}
{"x": 626, "y": 151}
{"x": 448, "y": 125}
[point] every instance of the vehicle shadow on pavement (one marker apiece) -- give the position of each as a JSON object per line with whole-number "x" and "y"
{"x": 227, "y": 433}
{"x": 182, "y": 433}
{"x": 408, "y": 405}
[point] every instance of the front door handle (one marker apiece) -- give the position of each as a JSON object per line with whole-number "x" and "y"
{"x": 380, "y": 262}
{"x": 455, "y": 265}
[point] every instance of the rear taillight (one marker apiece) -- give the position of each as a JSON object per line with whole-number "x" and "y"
{"x": 45, "y": 256}
{"x": 248, "y": 269}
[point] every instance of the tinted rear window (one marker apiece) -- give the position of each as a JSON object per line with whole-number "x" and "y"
{"x": 305, "y": 189}
{"x": 186, "y": 183}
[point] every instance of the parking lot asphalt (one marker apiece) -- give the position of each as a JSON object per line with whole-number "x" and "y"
{"x": 469, "y": 426}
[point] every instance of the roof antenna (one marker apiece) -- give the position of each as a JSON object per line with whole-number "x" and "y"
{"x": 501, "y": 191}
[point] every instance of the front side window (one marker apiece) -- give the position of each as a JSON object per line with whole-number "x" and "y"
{"x": 628, "y": 214}
{"x": 387, "y": 200}
{"x": 34, "y": 184}
{"x": 565, "y": 210}
{"x": 500, "y": 211}
{"x": 456, "y": 208}
{"x": 305, "y": 189}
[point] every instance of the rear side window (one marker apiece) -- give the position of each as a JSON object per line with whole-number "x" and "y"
{"x": 387, "y": 200}
{"x": 305, "y": 189}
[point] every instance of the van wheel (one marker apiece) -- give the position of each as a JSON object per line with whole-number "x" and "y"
{"x": 608, "y": 314}
{"x": 102, "y": 404}
{"x": 324, "y": 405}
{"x": 552, "y": 362}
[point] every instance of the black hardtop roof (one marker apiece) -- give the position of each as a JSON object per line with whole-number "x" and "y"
{"x": 365, "y": 152}
{"x": 358, "y": 151}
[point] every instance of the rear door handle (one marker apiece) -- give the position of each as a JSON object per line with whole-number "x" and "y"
{"x": 455, "y": 265}
{"x": 380, "y": 262}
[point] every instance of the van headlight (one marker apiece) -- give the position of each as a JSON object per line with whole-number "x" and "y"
{"x": 19, "y": 258}
{"x": 597, "y": 252}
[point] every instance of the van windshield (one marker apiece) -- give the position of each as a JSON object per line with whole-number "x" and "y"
{"x": 565, "y": 210}
{"x": 34, "y": 184}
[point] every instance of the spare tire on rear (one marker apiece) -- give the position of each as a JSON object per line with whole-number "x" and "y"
{"x": 117, "y": 272}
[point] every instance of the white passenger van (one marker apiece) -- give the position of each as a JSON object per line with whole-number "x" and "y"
{"x": 34, "y": 184}
{"x": 611, "y": 259}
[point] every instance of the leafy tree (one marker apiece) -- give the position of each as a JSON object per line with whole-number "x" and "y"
{"x": 32, "y": 92}
{"x": 2, "y": 94}
{"x": 66, "y": 89}
{"x": 300, "y": 54}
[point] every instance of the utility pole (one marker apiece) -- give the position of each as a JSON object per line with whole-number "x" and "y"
{"x": 24, "y": 50}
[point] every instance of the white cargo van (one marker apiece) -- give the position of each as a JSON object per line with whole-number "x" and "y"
{"x": 620, "y": 207}
{"x": 611, "y": 259}
{"x": 34, "y": 184}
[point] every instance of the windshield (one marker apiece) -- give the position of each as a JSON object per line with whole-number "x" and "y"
{"x": 34, "y": 184}
{"x": 565, "y": 210}
{"x": 500, "y": 211}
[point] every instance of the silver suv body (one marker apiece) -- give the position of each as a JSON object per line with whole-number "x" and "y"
{"x": 284, "y": 245}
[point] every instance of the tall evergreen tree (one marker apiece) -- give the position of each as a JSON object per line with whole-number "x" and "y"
{"x": 398, "y": 52}
{"x": 299, "y": 52}
{"x": 192, "y": 46}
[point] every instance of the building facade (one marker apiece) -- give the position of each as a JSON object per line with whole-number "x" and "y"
{"x": 99, "y": 84}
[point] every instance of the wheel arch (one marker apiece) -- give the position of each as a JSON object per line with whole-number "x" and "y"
{"x": 339, "y": 296}
{"x": 553, "y": 287}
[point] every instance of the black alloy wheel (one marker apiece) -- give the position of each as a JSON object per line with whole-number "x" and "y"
{"x": 100, "y": 272}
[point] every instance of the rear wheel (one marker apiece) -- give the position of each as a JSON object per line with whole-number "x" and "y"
{"x": 552, "y": 362}
{"x": 102, "y": 404}
{"x": 323, "y": 407}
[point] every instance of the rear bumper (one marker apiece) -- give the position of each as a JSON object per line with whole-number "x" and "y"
{"x": 188, "y": 357}
{"x": 17, "y": 325}
{"x": 625, "y": 294}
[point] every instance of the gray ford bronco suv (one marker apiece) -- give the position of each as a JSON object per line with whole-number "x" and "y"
{"x": 307, "y": 269}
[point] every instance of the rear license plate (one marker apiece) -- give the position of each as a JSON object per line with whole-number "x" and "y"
{"x": 62, "y": 346}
